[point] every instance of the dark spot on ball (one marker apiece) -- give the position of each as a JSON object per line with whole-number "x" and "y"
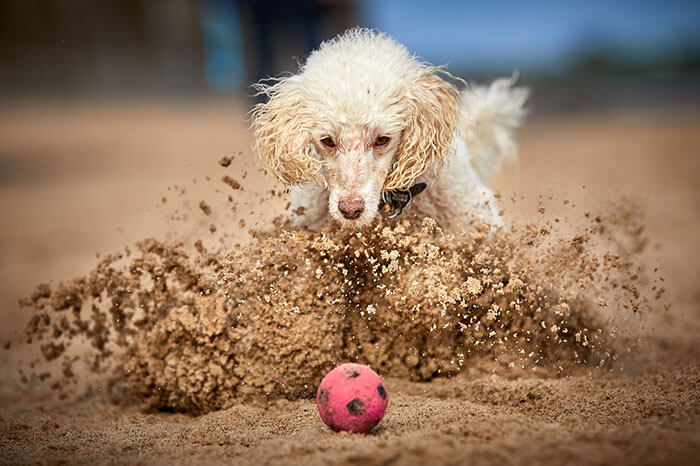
{"x": 356, "y": 407}
{"x": 323, "y": 397}
{"x": 382, "y": 391}
{"x": 353, "y": 374}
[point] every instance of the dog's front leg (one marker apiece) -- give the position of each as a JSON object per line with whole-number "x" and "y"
{"x": 308, "y": 207}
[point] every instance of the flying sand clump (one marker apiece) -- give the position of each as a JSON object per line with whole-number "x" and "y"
{"x": 191, "y": 329}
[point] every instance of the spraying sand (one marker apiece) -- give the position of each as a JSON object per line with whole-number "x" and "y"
{"x": 203, "y": 331}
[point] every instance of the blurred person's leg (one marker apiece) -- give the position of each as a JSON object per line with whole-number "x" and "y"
{"x": 224, "y": 62}
{"x": 279, "y": 34}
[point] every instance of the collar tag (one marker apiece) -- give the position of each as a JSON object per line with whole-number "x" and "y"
{"x": 398, "y": 199}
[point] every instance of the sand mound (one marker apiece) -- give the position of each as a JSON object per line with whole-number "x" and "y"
{"x": 194, "y": 330}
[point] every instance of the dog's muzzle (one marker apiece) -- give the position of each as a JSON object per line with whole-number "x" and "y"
{"x": 398, "y": 199}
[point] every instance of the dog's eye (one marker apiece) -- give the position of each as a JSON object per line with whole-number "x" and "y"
{"x": 381, "y": 141}
{"x": 328, "y": 142}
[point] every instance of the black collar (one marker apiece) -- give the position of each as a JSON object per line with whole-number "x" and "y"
{"x": 398, "y": 199}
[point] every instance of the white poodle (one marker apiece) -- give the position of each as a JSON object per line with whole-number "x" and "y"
{"x": 364, "y": 127}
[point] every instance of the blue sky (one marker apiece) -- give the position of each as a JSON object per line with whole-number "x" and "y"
{"x": 530, "y": 33}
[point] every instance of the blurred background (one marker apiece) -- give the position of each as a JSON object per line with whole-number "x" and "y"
{"x": 113, "y": 114}
{"x": 575, "y": 54}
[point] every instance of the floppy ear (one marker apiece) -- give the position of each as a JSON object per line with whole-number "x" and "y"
{"x": 281, "y": 131}
{"x": 433, "y": 114}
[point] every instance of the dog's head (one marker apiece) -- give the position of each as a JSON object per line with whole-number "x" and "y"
{"x": 362, "y": 116}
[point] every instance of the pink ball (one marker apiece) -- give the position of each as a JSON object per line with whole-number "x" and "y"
{"x": 352, "y": 397}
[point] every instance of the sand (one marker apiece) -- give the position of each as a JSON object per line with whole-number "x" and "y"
{"x": 570, "y": 338}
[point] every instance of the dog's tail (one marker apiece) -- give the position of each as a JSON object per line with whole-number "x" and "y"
{"x": 492, "y": 114}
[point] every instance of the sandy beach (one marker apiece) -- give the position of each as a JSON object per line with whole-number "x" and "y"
{"x": 80, "y": 182}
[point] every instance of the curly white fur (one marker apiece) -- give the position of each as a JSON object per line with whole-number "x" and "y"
{"x": 364, "y": 116}
{"x": 493, "y": 112}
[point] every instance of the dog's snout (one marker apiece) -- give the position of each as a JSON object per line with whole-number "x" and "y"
{"x": 351, "y": 208}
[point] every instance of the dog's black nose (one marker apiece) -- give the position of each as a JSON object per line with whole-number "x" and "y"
{"x": 351, "y": 208}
